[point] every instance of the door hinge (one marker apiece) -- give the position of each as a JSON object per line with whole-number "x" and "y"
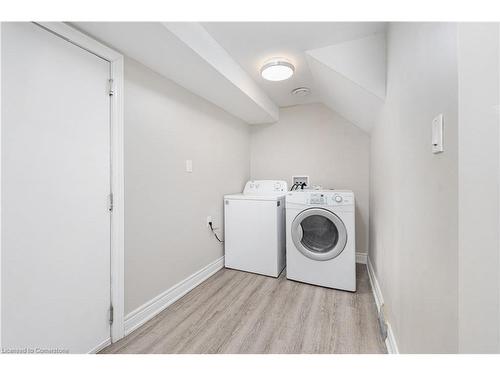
{"x": 111, "y": 314}
{"x": 110, "y": 202}
{"x": 111, "y": 87}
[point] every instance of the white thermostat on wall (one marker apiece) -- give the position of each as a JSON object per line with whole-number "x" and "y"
{"x": 437, "y": 134}
{"x": 189, "y": 166}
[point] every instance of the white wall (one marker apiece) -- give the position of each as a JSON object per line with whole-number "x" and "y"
{"x": 414, "y": 193}
{"x": 166, "y": 238}
{"x": 313, "y": 140}
{"x": 479, "y": 292}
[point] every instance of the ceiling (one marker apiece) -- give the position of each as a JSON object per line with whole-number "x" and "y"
{"x": 343, "y": 63}
{"x": 252, "y": 43}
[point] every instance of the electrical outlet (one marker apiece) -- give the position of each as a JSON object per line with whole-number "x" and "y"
{"x": 209, "y": 220}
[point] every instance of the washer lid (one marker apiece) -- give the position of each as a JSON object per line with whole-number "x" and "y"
{"x": 319, "y": 234}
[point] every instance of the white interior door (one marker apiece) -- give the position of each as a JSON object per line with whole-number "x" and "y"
{"x": 55, "y": 186}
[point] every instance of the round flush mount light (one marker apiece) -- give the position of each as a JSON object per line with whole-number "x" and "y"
{"x": 277, "y": 69}
{"x": 301, "y": 91}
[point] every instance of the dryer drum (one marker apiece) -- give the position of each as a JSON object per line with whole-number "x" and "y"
{"x": 319, "y": 234}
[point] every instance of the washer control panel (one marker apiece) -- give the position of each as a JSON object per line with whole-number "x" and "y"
{"x": 264, "y": 187}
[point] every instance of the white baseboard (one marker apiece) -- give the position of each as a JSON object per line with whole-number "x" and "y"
{"x": 377, "y": 293}
{"x": 361, "y": 258}
{"x": 390, "y": 341}
{"x": 159, "y": 303}
{"x": 101, "y": 346}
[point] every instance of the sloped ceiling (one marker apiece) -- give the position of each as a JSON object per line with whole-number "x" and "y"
{"x": 185, "y": 53}
{"x": 360, "y": 60}
{"x": 342, "y": 63}
{"x": 350, "y": 78}
{"x": 344, "y": 96}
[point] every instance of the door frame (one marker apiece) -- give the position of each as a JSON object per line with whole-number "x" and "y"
{"x": 117, "y": 240}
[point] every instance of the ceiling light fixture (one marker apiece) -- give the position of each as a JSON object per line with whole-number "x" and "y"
{"x": 277, "y": 69}
{"x": 301, "y": 91}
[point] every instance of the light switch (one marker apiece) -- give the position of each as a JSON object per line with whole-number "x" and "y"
{"x": 189, "y": 166}
{"x": 437, "y": 134}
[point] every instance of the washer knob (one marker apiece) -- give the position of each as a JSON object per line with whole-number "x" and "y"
{"x": 338, "y": 198}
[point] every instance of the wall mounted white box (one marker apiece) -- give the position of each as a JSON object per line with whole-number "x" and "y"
{"x": 437, "y": 134}
{"x": 189, "y": 166}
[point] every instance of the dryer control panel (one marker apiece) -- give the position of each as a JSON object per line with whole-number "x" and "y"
{"x": 322, "y": 197}
{"x": 317, "y": 198}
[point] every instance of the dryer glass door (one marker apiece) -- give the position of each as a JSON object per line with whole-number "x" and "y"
{"x": 319, "y": 234}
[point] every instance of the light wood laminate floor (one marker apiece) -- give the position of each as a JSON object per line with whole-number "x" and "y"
{"x": 239, "y": 312}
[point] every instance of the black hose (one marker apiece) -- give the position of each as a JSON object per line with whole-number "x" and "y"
{"x": 215, "y": 234}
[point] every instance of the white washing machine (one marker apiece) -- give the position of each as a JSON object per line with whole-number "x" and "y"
{"x": 254, "y": 228}
{"x": 320, "y": 237}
